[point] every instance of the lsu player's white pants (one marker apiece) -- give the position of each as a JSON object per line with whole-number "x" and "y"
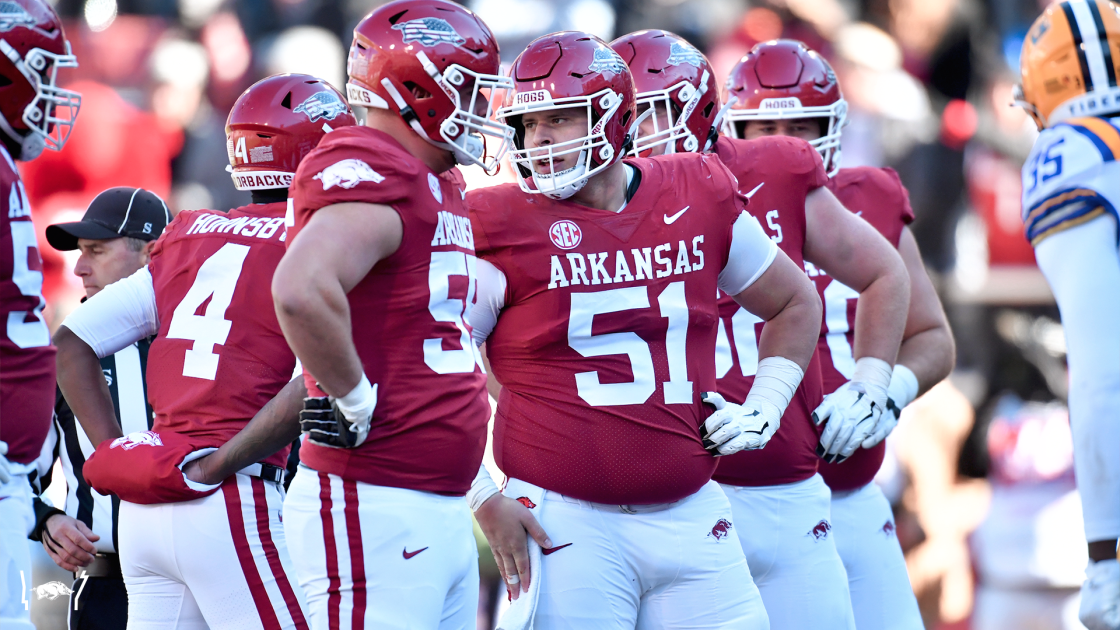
{"x": 787, "y": 537}
{"x": 1082, "y": 265}
{"x": 863, "y": 524}
{"x": 672, "y": 566}
{"x": 216, "y": 562}
{"x": 16, "y": 520}
{"x": 378, "y": 557}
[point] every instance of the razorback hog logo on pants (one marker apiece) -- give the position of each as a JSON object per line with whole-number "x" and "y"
{"x": 820, "y": 530}
{"x": 721, "y": 530}
{"x": 348, "y": 174}
{"x": 527, "y": 502}
{"x": 138, "y": 438}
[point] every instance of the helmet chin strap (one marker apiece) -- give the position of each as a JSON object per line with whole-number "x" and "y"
{"x": 566, "y": 183}
{"x": 31, "y": 144}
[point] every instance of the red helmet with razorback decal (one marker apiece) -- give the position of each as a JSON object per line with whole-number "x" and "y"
{"x": 676, "y": 81}
{"x": 35, "y": 113}
{"x": 428, "y": 61}
{"x": 275, "y": 123}
{"x": 570, "y": 69}
{"x": 784, "y": 79}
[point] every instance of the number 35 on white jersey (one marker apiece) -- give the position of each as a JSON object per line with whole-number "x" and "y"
{"x": 1072, "y": 176}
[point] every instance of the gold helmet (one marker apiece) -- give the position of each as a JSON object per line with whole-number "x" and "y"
{"x": 1070, "y": 62}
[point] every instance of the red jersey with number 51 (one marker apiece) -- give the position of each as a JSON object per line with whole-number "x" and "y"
{"x": 877, "y": 195}
{"x": 607, "y": 336}
{"x": 27, "y": 371}
{"x": 408, "y": 316}
{"x": 778, "y": 172}
{"x": 219, "y": 355}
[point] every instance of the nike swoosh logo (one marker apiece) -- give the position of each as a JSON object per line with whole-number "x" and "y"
{"x": 751, "y": 193}
{"x": 552, "y": 550}
{"x": 408, "y": 554}
{"x": 670, "y": 219}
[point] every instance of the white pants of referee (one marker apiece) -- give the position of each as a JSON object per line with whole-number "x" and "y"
{"x": 378, "y": 557}
{"x": 1082, "y": 265}
{"x": 216, "y": 562}
{"x": 663, "y": 567}
{"x": 16, "y": 520}
{"x": 863, "y": 524}
{"x": 787, "y": 538}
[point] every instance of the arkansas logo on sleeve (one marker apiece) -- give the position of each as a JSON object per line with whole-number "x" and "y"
{"x": 348, "y": 174}
{"x": 144, "y": 467}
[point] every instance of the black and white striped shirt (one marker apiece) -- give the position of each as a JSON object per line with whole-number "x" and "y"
{"x": 67, "y": 441}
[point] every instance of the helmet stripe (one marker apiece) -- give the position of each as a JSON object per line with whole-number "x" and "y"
{"x": 1086, "y": 77}
{"x": 1109, "y": 67}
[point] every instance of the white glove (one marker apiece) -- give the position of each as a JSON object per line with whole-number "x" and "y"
{"x": 733, "y": 428}
{"x": 901, "y": 392}
{"x": 851, "y": 416}
{"x": 5, "y": 467}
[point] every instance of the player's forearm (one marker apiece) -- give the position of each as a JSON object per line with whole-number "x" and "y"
{"x": 792, "y": 333}
{"x": 930, "y": 355}
{"x": 315, "y": 316}
{"x": 275, "y": 426}
{"x": 881, "y": 315}
{"x": 83, "y": 385}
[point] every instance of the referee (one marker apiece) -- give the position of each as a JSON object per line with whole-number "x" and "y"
{"x": 115, "y": 238}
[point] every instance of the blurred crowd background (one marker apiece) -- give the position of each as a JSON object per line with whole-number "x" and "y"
{"x": 980, "y": 469}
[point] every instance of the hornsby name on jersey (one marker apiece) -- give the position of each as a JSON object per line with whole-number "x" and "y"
{"x": 452, "y": 229}
{"x": 260, "y": 227}
{"x": 649, "y": 262}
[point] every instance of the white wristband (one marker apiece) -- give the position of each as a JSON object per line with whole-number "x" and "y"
{"x": 875, "y": 374}
{"x": 482, "y": 488}
{"x": 775, "y": 382}
{"x": 360, "y": 402}
{"x": 904, "y": 386}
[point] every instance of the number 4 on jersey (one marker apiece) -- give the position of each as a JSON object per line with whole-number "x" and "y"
{"x": 216, "y": 281}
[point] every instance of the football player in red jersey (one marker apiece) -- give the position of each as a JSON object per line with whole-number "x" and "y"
{"x": 34, "y": 114}
{"x": 766, "y": 104}
{"x": 597, "y": 293}
{"x": 373, "y": 296}
{"x": 218, "y": 357}
{"x": 776, "y": 493}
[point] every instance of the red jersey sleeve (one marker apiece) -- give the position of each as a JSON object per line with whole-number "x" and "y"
{"x": 354, "y": 165}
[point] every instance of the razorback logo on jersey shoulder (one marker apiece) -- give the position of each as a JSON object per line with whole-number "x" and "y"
{"x": 137, "y": 438}
{"x": 348, "y": 174}
{"x": 649, "y": 263}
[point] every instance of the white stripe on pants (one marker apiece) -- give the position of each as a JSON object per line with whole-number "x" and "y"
{"x": 378, "y": 557}
{"x": 217, "y": 562}
{"x": 882, "y": 598}
{"x": 1082, "y": 265}
{"x": 16, "y": 520}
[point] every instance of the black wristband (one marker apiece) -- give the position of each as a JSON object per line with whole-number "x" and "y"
{"x": 43, "y": 512}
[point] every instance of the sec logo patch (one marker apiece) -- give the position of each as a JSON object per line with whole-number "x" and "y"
{"x": 565, "y": 234}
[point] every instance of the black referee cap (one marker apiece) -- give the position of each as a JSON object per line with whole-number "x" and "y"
{"x": 115, "y": 213}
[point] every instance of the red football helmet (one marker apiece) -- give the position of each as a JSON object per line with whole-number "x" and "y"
{"x": 570, "y": 69}
{"x": 429, "y": 60}
{"x": 784, "y": 79}
{"x": 275, "y": 123}
{"x": 673, "y": 80}
{"x": 34, "y": 48}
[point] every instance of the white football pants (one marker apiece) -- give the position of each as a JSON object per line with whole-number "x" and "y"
{"x": 16, "y": 520}
{"x": 863, "y": 524}
{"x": 786, "y": 532}
{"x": 378, "y": 557}
{"x": 1082, "y": 265}
{"x": 676, "y": 567}
{"x": 216, "y": 562}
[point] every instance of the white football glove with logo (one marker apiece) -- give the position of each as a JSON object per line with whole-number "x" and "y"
{"x": 901, "y": 392}
{"x": 852, "y": 411}
{"x": 733, "y": 428}
{"x": 5, "y": 466}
